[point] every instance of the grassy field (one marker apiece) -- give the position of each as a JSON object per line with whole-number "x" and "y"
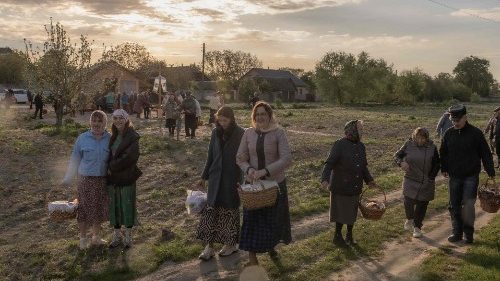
{"x": 34, "y": 157}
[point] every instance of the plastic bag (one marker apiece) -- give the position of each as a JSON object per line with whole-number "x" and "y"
{"x": 195, "y": 202}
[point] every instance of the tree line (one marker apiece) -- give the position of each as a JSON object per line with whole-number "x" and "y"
{"x": 59, "y": 66}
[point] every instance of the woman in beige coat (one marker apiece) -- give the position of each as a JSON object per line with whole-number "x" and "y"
{"x": 264, "y": 153}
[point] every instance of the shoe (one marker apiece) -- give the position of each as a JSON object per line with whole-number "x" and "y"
{"x": 349, "y": 240}
{"x": 339, "y": 241}
{"x": 469, "y": 239}
{"x": 84, "y": 243}
{"x": 127, "y": 241}
{"x": 227, "y": 251}
{"x": 117, "y": 239}
{"x": 207, "y": 254}
{"x": 274, "y": 255}
{"x": 409, "y": 225}
{"x": 454, "y": 238}
{"x": 417, "y": 232}
{"x": 97, "y": 241}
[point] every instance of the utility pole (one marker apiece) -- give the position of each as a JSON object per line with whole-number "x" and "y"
{"x": 203, "y": 64}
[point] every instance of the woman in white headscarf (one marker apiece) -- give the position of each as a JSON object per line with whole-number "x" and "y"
{"x": 122, "y": 176}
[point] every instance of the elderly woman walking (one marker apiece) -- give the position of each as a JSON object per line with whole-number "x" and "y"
{"x": 344, "y": 172}
{"x": 89, "y": 160}
{"x": 419, "y": 159}
{"x": 122, "y": 176}
{"x": 264, "y": 153}
{"x": 220, "y": 221}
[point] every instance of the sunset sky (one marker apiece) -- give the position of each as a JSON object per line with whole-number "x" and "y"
{"x": 294, "y": 33}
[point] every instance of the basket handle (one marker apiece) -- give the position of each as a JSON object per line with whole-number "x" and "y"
{"x": 485, "y": 185}
{"x": 383, "y": 192}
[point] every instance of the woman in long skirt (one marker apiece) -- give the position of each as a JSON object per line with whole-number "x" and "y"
{"x": 264, "y": 153}
{"x": 220, "y": 220}
{"x": 347, "y": 162}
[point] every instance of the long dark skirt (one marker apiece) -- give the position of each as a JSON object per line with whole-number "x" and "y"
{"x": 92, "y": 200}
{"x": 343, "y": 209}
{"x": 265, "y": 228}
{"x": 219, "y": 225}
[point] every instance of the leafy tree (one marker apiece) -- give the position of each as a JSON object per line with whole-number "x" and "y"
{"x": 132, "y": 56}
{"x": 229, "y": 65}
{"x": 12, "y": 64}
{"x": 59, "y": 67}
{"x": 474, "y": 73}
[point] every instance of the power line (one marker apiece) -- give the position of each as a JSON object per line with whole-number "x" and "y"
{"x": 462, "y": 11}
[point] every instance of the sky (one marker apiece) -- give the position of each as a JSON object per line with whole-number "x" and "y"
{"x": 432, "y": 35}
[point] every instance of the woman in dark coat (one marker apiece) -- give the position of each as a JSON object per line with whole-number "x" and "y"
{"x": 419, "y": 158}
{"x": 122, "y": 176}
{"x": 344, "y": 172}
{"x": 220, "y": 221}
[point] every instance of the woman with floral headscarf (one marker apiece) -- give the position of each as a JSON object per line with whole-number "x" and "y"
{"x": 344, "y": 172}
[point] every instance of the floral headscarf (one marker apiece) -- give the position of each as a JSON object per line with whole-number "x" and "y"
{"x": 351, "y": 130}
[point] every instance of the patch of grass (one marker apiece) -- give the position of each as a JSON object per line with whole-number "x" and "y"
{"x": 23, "y": 146}
{"x": 177, "y": 250}
{"x": 69, "y": 131}
{"x": 481, "y": 262}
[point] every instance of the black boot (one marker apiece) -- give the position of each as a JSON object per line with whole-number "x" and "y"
{"x": 337, "y": 238}
{"x": 348, "y": 238}
{"x": 455, "y": 238}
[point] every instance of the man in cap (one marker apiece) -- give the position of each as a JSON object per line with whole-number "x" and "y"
{"x": 463, "y": 148}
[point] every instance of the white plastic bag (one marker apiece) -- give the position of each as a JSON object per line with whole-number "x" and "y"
{"x": 195, "y": 202}
{"x": 62, "y": 206}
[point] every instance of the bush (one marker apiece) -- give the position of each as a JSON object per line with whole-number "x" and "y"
{"x": 278, "y": 103}
{"x": 475, "y": 97}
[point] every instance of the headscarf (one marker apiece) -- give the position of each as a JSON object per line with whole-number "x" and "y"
{"x": 351, "y": 130}
{"x": 121, "y": 113}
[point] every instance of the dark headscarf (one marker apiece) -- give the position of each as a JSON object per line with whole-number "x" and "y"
{"x": 351, "y": 130}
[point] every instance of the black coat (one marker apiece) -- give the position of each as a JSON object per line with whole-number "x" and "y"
{"x": 462, "y": 151}
{"x": 122, "y": 165}
{"x": 38, "y": 100}
{"x": 347, "y": 167}
{"x": 221, "y": 170}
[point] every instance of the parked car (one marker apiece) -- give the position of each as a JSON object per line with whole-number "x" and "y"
{"x": 20, "y": 95}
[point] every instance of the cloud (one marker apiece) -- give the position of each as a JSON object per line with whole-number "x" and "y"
{"x": 491, "y": 14}
{"x": 277, "y": 6}
{"x": 277, "y": 35}
{"x": 349, "y": 42}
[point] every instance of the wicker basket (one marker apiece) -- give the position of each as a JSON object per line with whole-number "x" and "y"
{"x": 371, "y": 213}
{"x": 489, "y": 196}
{"x": 58, "y": 216}
{"x": 253, "y": 200}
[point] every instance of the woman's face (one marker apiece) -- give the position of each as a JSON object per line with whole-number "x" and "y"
{"x": 97, "y": 125}
{"x": 262, "y": 118}
{"x": 119, "y": 122}
{"x": 420, "y": 140}
{"x": 224, "y": 122}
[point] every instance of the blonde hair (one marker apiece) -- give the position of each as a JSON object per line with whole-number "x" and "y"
{"x": 422, "y": 132}
{"x": 100, "y": 115}
{"x": 268, "y": 109}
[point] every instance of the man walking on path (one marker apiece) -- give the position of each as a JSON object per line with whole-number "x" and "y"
{"x": 443, "y": 125}
{"x": 38, "y": 105}
{"x": 463, "y": 148}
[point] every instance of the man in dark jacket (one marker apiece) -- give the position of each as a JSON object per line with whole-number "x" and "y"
{"x": 463, "y": 148}
{"x": 38, "y": 105}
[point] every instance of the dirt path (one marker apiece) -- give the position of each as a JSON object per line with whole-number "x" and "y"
{"x": 403, "y": 256}
{"x": 229, "y": 267}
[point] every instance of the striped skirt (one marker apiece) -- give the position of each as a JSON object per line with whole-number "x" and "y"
{"x": 219, "y": 225}
{"x": 92, "y": 200}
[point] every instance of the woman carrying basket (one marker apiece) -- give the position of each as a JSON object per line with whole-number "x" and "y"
{"x": 419, "y": 159}
{"x": 89, "y": 160}
{"x": 264, "y": 153}
{"x": 220, "y": 220}
{"x": 344, "y": 172}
